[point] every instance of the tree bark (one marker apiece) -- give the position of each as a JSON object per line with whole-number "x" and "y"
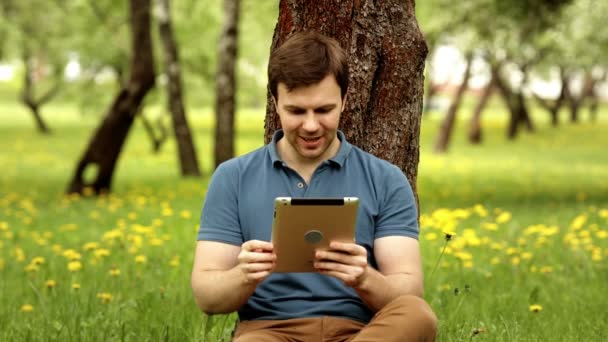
{"x": 106, "y": 144}
{"x": 386, "y": 60}
{"x": 225, "y": 102}
{"x": 447, "y": 125}
{"x": 475, "y": 135}
{"x": 185, "y": 146}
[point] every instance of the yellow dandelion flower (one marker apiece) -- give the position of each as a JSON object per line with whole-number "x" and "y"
{"x": 602, "y": 234}
{"x": 71, "y": 254}
{"x": 19, "y": 254}
{"x": 546, "y": 269}
{"x": 174, "y": 261}
{"x": 27, "y": 308}
{"x": 578, "y": 222}
{"x": 50, "y": 283}
{"x": 185, "y": 214}
{"x": 535, "y": 308}
{"x": 101, "y": 252}
{"x": 115, "y": 272}
{"x": 503, "y": 217}
{"x": 141, "y": 259}
{"x": 3, "y": 226}
{"x": 156, "y": 242}
{"x": 105, "y": 297}
{"x": 31, "y": 268}
{"x": 132, "y": 216}
{"x": 76, "y": 286}
{"x": 167, "y": 211}
{"x": 88, "y": 191}
{"x": 37, "y": 261}
{"x": 430, "y": 236}
{"x": 603, "y": 213}
{"x": 74, "y": 266}
{"x": 89, "y": 246}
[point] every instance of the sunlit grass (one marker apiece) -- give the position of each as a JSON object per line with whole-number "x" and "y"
{"x": 527, "y": 220}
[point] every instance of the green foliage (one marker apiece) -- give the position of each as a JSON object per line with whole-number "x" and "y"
{"x": 499, "y": 199}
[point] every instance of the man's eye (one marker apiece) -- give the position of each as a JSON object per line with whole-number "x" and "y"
{"x": 322, "y": 110}
{"x": 298, "y": 111}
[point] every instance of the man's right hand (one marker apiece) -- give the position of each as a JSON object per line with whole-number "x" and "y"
{"x": 256, "y": 260}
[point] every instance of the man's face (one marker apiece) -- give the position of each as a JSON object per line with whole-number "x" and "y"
{"x": 310, "y": 116}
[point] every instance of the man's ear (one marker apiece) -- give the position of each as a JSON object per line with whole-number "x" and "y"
{"x": 274, "y": 100}
{"x": 344, "y": 103}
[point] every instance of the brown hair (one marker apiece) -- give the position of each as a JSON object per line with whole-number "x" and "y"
{"x": 307, "y": 58}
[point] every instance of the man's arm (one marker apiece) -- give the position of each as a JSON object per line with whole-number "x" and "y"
{"x": 399, "y": 269}
{"x": 224, "y": 276}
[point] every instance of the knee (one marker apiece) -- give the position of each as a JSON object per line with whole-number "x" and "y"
{"x": 418, "y": 310}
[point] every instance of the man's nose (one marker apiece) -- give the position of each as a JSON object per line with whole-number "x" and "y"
{"x": 310, "y": 122}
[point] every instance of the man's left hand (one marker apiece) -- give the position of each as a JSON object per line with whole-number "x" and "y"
{"x": 345, "y": 261}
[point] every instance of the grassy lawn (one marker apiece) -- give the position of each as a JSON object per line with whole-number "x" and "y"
{"x": 526, "y": 260}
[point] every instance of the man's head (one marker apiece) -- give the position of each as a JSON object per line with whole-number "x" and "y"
{"x": 306, "y": 58}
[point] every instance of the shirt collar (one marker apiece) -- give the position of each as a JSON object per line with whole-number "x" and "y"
{"x": 339, "y": 159}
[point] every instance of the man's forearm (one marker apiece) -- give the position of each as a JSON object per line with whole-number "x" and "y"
{"x": 378, "y": 289}
{"x": 221, "y": 291}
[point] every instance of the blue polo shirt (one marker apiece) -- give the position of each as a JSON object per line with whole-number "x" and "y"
{"x": 239, "y": 203}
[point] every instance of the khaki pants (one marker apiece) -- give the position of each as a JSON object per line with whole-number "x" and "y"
{"x": 407, "y": 318}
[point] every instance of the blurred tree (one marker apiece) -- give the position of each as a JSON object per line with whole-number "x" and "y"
{"x": 186, "y": 151}
{"x": 32, "y": 32}
{"x": 447, "y": 124}
{"x": 226, "y": 84}
{"x": 386, "y": 59}
{"x": 106, "y": 144}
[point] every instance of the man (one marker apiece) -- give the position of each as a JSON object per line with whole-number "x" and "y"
{"x": 365, "y": 291}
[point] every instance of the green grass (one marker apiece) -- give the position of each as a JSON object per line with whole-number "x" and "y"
{"x": 530, "y": 218}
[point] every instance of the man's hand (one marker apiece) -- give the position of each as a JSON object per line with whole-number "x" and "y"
{"x": 256, "y": 260}
{"x": 345, "y": 261}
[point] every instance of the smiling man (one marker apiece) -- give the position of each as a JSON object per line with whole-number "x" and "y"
{"x": 368, "y": 290}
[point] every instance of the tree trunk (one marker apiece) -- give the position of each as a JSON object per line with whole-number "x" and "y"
{"x": 554, "y": 106}
{"x": 106, "y": 144}
{"x": 386, "y": 60}
{"x": 225, "y": 102}
{"x": 430, "y": 91}
{"x": 447, "y": 125}
{"x": 515, "y": 102}
{"x": 185, "y": 145}
{"x": 475, "y": 136}
{"x": 28, "y": 98}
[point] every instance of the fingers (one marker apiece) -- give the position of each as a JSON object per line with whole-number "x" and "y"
{"x": 345, "y": 261}
{"x": 256, "y": 260}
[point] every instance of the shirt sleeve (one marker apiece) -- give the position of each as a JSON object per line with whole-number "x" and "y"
{"x": 220, "y": 215}
{"x": 398, "y": 214}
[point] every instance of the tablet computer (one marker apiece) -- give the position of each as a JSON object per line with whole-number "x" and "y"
{"x": 302, "y": 225}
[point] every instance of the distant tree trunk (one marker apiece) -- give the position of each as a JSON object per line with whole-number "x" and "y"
{"x": 594, "y": 97}
{"x": 475, "y": 136}
{"x": 185, "y": 145}
{"x": 515, "y": 102}
{"x": 28, "y": 97}
{"x": 157, "y": 139}
{"x": 386, "y": 59}
{"x": 106, "y": 144}
{"x": 447, "y": 125}
{"x": 225, "y": 102}
{"x": 431, "y": 89}
{"x": 575, "y": 102}
{"x": 554, "y": 106}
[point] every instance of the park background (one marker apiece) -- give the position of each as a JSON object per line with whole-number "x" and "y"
{"x": 514, "y": 227}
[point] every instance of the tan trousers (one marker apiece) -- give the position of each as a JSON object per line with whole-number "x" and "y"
{"x": 407, "y": 318}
